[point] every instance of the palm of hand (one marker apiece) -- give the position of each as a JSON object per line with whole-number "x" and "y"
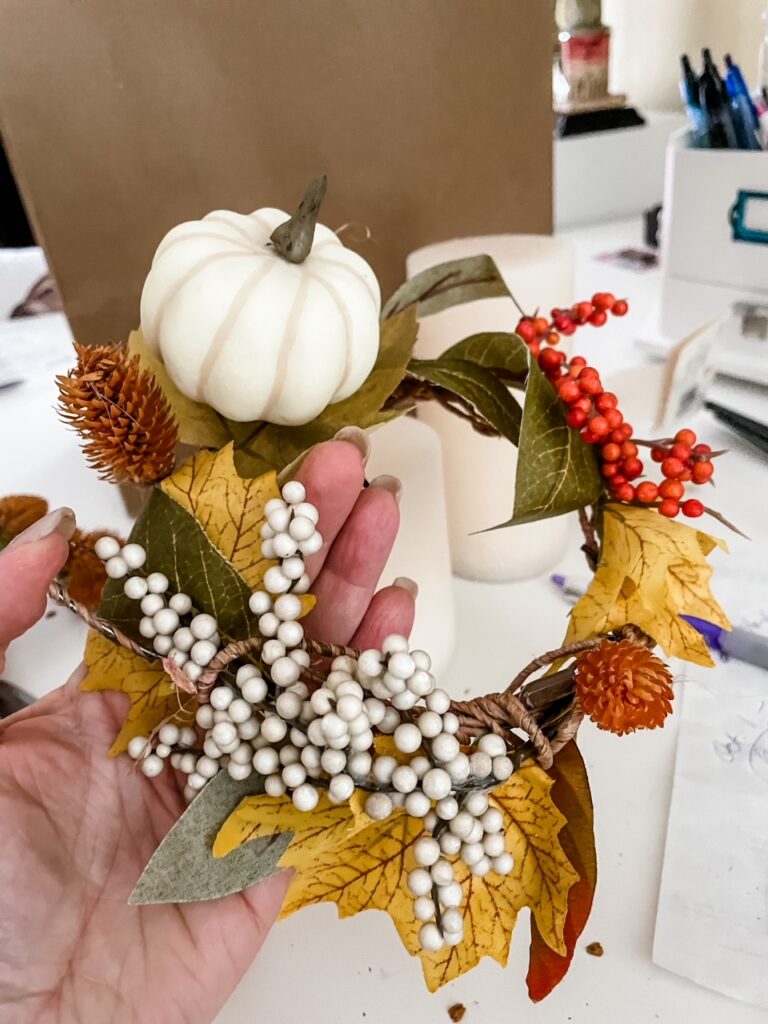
{"x": 79, "y": 827}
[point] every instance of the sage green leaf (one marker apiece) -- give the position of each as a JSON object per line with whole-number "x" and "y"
{"x": 183, "y": 869}
{"x": 261, "y": 447}
{"x": 556, "y": 470}
{"x": 478, "y": 386}
{"x": 199, "y": 424}
{"x": 497, "y": 350}
{"x": 177, "y": 546}
{"x": 448, "y": 284}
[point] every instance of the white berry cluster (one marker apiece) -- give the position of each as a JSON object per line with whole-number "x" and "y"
{"x": 464, "y": 827}
{"x": 262, "y": 717}
{"x": 169, "y": 621}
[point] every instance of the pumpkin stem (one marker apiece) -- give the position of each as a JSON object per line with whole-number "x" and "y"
{"x": 293, "y": 239}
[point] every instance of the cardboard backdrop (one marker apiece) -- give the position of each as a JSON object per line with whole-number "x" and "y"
{"x": 122, "y": 118}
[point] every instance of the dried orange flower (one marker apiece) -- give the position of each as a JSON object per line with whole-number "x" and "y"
{"x": 119, "y": 410}
{"x": 17, "y": 512}
{"x": 84, "y": 572}
{"x": 623, "y": 687}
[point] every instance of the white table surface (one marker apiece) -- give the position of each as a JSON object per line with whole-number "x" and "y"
{"x": 316, "y": 968}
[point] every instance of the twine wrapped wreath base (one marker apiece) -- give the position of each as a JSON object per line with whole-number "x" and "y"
{"x": 536, "y": 717}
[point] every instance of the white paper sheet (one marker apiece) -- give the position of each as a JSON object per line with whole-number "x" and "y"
{"x": 33, "y": 346}
{"x": 712, "y": 920}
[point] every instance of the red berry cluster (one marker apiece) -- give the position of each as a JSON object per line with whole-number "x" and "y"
{"x": 538, "y": 331}
{"x": 595, "y": 413}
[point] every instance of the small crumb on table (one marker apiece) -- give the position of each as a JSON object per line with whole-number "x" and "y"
{"x": 595, "y": 949}
{"x": 457, "y": 1011}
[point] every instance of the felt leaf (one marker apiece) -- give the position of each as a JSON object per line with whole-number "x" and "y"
{"x": 153, "y": 697}
{"x": 177, "y": 545}
{"x": 448, "y": 284}
{"x": 361, "y": 864}
{"x": 652, "y": 570}
{"x": 571, "y": 795}
{"x": 265, "y": 446}
{"x": 556, "y": 471}
{"x": 496, "y": 350}
{"x": 199, "y": 425}
{"x": 478, "y": 386}
{"x": 183, "y": 867}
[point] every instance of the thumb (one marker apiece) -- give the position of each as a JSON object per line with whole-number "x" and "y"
{"x": 27, "y": 566}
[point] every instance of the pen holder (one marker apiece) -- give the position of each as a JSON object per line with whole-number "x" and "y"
{"x": 715, "y": 222}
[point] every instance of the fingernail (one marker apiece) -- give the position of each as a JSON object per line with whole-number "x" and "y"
{"x": 389, "y": 483}
{"x": 61, "y": 520}
{"x": 357, "y": 437}
{"x": 406, "y": 583}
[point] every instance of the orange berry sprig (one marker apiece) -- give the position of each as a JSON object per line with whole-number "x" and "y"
{"x": 538, "y": 331}
{"x": 595, "y": 413}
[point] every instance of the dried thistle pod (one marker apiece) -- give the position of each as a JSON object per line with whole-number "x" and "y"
{"x": 17, "y": 513}
{"x": 126, "y": 423}
{"x": 622, "y": 687}
{"x": 84, "y": 572}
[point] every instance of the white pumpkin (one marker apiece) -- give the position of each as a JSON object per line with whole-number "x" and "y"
{"x": 249, "y": 333}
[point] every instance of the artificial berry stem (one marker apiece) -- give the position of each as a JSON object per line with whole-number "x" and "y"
{"x": 595, "y": 413}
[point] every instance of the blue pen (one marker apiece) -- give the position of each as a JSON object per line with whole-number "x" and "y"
{"x": 743, "y": 113}
{"x": 740, "y": 644}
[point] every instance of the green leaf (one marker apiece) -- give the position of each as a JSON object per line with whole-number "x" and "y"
{"x": 556, "y": 471}
{"x": 177, "y": 546}
{"x": 199, "y": 425}
{"x": 261, "y": 447}
{"x": 478, "y": 386}
{"x": 497, "y": 350}
{"x": 448, "y": 284}
{"x": 183, "y": 869}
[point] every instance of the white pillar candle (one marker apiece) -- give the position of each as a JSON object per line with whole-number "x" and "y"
{"x": 411, "y": 451}
{"x": 480, "y": 471}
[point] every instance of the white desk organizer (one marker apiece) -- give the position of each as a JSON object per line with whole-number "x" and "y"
{"x": 715, "y": 227}
{"x": 714, "y": 254}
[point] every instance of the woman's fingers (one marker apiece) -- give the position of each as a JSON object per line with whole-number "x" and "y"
{"x": 27, "y": 566}
{"x": 333, "y": 475}
{"x": 354, "y": 564}
{"x": 390, "y": 611}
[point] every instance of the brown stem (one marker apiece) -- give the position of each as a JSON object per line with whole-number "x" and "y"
{"x": 58, "y": 593}
{"x": 547, "y": 711}
{"x": 293, "y": 239}
{"x": 567, "y": 651}
{"x": 411, "y": 391}
{"x": 590, "y": 546}
{"x": 253, "y": 645}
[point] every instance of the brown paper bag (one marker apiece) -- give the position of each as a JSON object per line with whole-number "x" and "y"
{"x": 432, "y": 119}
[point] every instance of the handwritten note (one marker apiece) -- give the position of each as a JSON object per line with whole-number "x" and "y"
{"x": 712, "y": 921}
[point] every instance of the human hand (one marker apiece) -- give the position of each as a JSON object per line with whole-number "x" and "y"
{"x": 78, "y": 827}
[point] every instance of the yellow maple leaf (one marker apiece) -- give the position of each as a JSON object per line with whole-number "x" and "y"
{"x": 541, "y": 879}
{"x": 229, "y": 509}
{"x": 343, "y": 857}
{"x": 257, "y": 816}
{"x": 652, "y": 571}
{"x": 153, "y": 697}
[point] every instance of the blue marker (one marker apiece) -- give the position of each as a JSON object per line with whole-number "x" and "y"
{"x": 745, "y": 120}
